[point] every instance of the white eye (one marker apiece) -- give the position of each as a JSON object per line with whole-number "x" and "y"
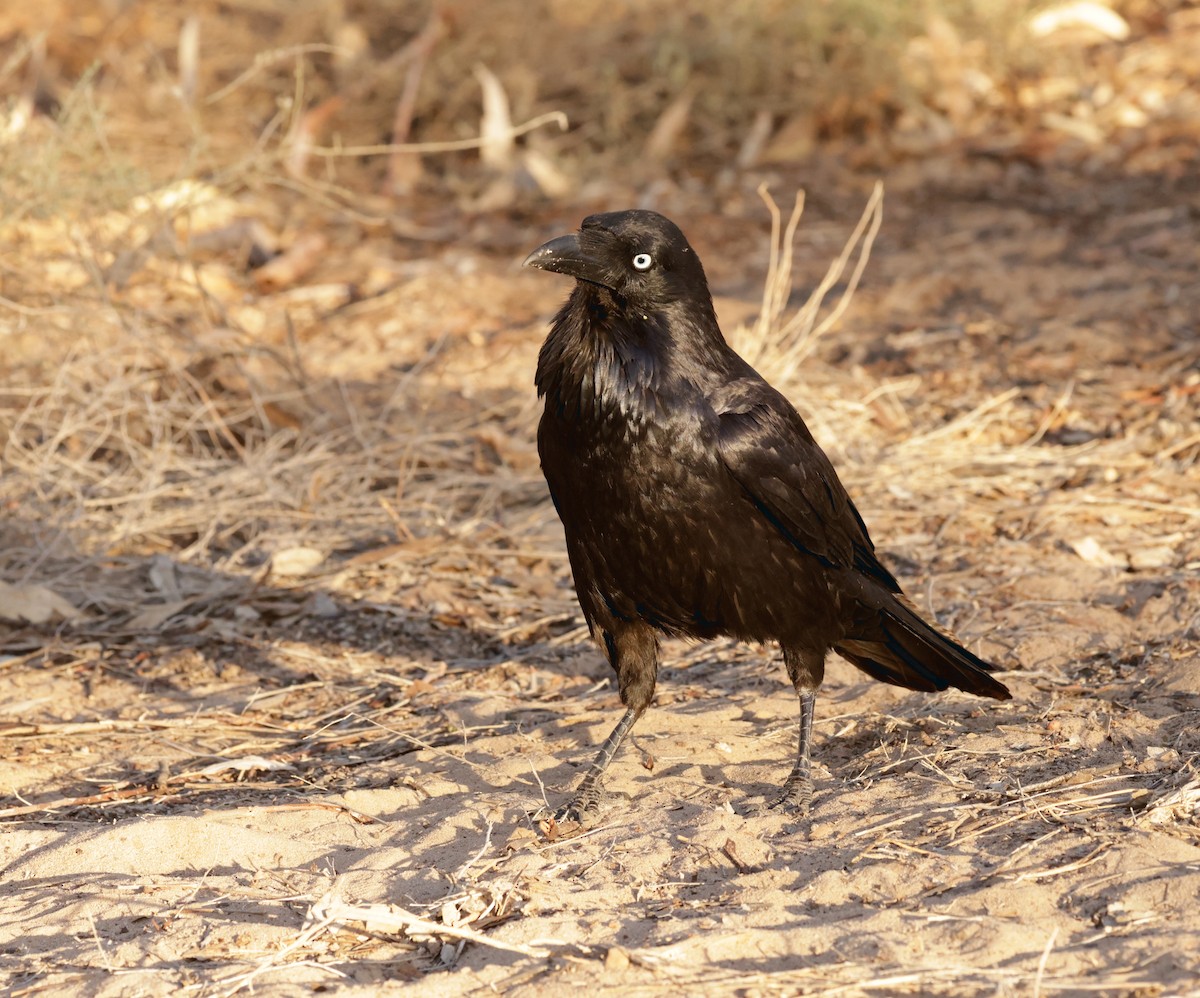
{"x": 642, "y": 261}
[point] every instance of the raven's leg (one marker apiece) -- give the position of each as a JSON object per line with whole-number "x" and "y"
{"x": 633, "y": 652}
{"x": 806, "y": 670}
{"x": 586, "y": 798}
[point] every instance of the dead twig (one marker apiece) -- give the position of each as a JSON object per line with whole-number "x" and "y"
{"x": 391, "y": 918}
{"x": 780, "y": 346}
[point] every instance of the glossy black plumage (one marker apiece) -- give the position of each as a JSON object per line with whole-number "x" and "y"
{"x": 694, "y": 499}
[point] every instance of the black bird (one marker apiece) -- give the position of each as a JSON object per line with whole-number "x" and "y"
{"x": 694, "y": 499}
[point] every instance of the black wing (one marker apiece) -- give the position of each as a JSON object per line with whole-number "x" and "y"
{"x": 769, "y": 451}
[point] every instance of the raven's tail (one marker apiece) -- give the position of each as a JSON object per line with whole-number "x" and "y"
{"x": 901, "y": 648}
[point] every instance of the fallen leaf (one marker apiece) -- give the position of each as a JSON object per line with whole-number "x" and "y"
{"x": 321, "y": 605}
{"x": 1081, "y": 14}
{"x": 151, "y": 617}
{"x": 615, "y": 960}
{"x": 31, "y": 604}
{"x": 1158, "y": 556}
{"x": 665, "y": 134}
{"x": 247, "y": 764}
{"x": 297, "y": 561}
{"x": 1091, "y": 551}
{"x": 520, "y": 838}
{"x": 291, "y": 266}
{"x": 163, "y": 576}
{"x": 496, "y": 129}
{"x": 750, "y": 151}
{"x": 551, "y": 180}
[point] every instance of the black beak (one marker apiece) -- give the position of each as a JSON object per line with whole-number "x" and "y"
{"x": 565, "y": 255}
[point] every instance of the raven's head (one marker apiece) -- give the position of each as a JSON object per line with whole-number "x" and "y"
{"x": 639, "y": 256}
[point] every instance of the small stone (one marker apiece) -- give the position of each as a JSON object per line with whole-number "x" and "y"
{"x": 615, "y": 960}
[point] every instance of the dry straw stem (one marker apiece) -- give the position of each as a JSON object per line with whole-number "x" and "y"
{"x": 239, "y": 744}
{"x": 781, "y": 345}
{"x": 315, "y": 925}
{"x": 391, "y": 918}
{"x": 453, "y": 145}
{"x": 265, "y": 60}
{"x": 212, "y": 447}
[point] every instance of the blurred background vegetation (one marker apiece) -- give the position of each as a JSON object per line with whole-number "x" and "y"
{"x": 142, "y": 92}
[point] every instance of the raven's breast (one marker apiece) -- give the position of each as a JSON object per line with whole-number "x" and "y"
{"x": 658, "y": 531}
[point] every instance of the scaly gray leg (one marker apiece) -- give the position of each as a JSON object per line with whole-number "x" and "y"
{"x": 587, "y": 797}
{"x": 797, "y": 788}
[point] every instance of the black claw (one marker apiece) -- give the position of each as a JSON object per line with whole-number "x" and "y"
{"x": 585, "y": 804}
{"x": 581, "y": 808}
{"x": 796, "y": 799}
{"x": 569, "y": 812}
{"x": 796, "y": 803}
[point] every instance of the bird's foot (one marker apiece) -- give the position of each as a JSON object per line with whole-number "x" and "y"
{"x": 583, "y": 807}
{"x": 795, "y": 798}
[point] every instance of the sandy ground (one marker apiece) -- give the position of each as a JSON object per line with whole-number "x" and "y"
{"x": 327, "y": 778}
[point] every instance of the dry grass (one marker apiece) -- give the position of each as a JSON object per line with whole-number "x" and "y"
{"x": 776, "y": 346}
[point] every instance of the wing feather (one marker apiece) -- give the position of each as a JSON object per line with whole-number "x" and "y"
{"x": 785, "y": 475}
